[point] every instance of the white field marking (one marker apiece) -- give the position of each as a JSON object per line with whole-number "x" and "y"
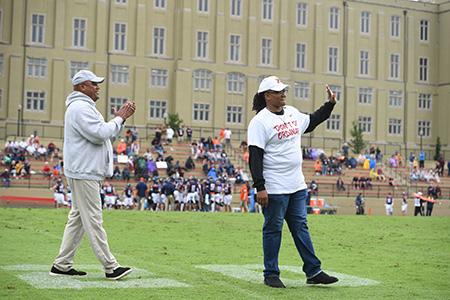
{"x": 38, "y": 277}
{"x": 252, "y": 273}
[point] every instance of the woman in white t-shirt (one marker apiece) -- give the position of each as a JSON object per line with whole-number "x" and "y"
{"x": 274, "y": 139}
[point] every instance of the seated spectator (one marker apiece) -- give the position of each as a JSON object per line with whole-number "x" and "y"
{"x": 6, "y": 180}
{"x": 41, "y": 153}
{"x": 189, "y": 164}
{"x": 116, "y": 173}
{"x": 126, "y": 174}
{"x": 380, "y": 175}
{"x": 46, "y": 171}
{"x": 121, "y": 147}
{"x": 318, "y": 167}
{"x": 314, "y": 187}
{"x": 340, "y": 186}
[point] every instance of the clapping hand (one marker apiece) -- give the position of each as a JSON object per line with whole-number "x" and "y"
{"x": 126, "y": 110}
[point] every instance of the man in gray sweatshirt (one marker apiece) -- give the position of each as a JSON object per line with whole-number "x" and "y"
{"x": 88, "y": 159}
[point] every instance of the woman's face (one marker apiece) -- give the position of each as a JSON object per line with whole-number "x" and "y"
{"x": 275, "y": 100}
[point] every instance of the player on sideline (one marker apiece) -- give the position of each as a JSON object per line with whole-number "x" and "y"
{"x": 88, "y": 159}
{"x": 274, "y": 139}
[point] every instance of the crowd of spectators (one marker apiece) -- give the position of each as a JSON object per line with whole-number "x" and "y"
{"x": 17, "y": 157}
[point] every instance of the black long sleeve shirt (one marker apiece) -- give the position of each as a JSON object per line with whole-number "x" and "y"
{"x": 256, "y": 154}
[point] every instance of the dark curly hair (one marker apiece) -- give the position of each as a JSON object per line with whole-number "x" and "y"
{"x": 259, "y": 102}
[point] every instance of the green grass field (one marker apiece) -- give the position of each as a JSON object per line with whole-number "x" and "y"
{"x": 217, "y": 256}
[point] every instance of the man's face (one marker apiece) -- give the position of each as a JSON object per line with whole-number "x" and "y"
{"x": 90, "y": 89}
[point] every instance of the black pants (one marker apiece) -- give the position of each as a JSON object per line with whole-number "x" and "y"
{"x": 429, "y": 208}
{"x": 417, "y": 210}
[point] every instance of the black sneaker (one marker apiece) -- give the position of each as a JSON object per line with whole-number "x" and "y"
{"x": 274, "y": 281}
{"x": 118, "y": 273}
{"x": 72, "y": 272}
{"x": 322, "y": 278}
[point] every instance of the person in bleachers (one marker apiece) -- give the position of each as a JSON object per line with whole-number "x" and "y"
{"x": 41, "y": 153}
{"x": 189, "y": 164}
{"x": 117, "y": 175}
{"x": 314, "y": 187}
{"x": 6, "y": 179}
{"x": 340, "y": 186}
{"x": 180, "y": 133}
{"x": 189, "y": 134}
{"x": 126, "y": 174}
{"x": 318, "y": 167}
{"x": 121, "y": 147}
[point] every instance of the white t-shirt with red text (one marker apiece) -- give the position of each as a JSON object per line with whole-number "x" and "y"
{"x": 280, "y": 138}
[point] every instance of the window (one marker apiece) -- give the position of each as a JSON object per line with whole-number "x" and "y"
{"x": 1, "y": 63}
{"x": 120, "y": 34}
{"x": 337, "y": 90}
{"x": 159, "y": 77}
{"x": 235, "y": 83}
{"x": 1, "y": 24}
{"x": 267, "y": 7}
{"x": 365, "y": 124}
{"x": 202, "y": 6}
{"x": 395, "y": 98}
{"x": 158, "y": 40}
{"x": 302, "y": 14}
{"x": 235, "y": 47}
{"x": 234, "y": 114}
{"x": 266, "y": 51}
{"x": 334, "y": 18}
{"x": 394, "y": 66}
{"x": 395, "y": 126}
{"x": 202, "y": 80}
{"x": 37, "y": 28}
{"x": 202, "y": 44}
{"x": 160, "y": 4}
{"x": 301, "y": 90}
{"x": 200, "y": 112}
{"x": 115, "y": 103}
{"x": 76, "y": 66}
{"x": 79, "y": 33}
{"x": 424, "y": 30}
{"x": 365, "y": 22}
{"x": 36, "y": 67}
{"x": 119, "y": 74}
{"x": 365, "y": 95}
{"x": 35, "y": 101}
{"x": 332, "y": 59}
{"x": 334, "y": 122}
{"x": 424, "y": 128}
{"x": 300, "y": 56}
{"x": 423, "y": 69}
{"x": 395, "y": 26}
{"x": 425, "y": 101}
{"x": 363, "y": 62}
{"x": 235, "y": 8}
{"x": 157, "y": 109}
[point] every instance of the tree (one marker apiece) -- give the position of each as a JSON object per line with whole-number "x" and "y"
{"x": 357, "y": 143}
{"x": 437, "y": 153}
{"x": 174, "y": 121}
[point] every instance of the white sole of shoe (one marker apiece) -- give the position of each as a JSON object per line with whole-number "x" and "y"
{"x": 121, "y": 275}
{"x": 65, "y": 275}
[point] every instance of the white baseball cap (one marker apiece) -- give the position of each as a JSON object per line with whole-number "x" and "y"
{"x": 86, "y": 75}
{"x": 272, "y": 83}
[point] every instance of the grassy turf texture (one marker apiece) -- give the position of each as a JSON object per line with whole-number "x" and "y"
{"x": 408, "y": 256}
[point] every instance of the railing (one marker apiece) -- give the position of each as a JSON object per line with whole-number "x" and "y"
{"x": 325, "y": 189}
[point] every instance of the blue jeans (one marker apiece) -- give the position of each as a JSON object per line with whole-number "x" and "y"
{"x": 292, "y": 208}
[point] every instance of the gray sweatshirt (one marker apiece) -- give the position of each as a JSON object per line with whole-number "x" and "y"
{"x": 88, "y": 152}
